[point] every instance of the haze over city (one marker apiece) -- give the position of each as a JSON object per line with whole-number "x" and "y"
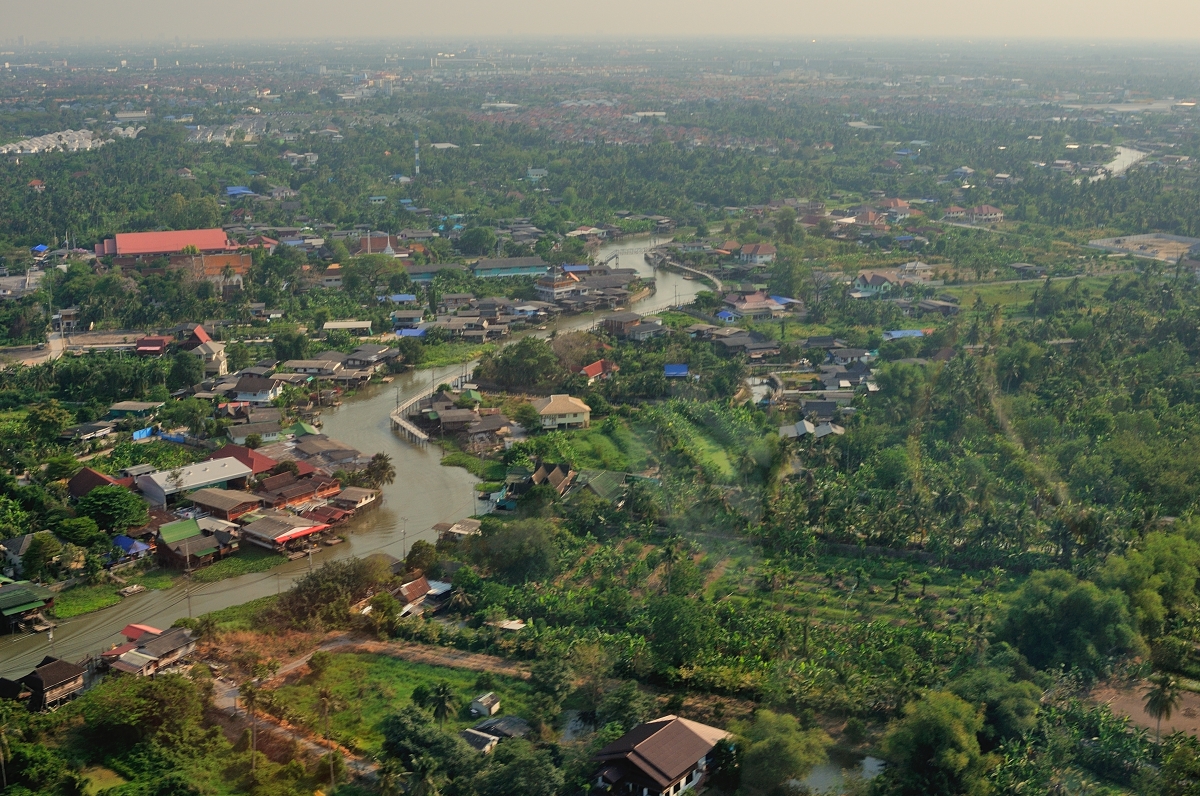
{"x": 83, "y": 21}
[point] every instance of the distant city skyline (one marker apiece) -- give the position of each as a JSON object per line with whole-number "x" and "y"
{"x": 85, "y": 21}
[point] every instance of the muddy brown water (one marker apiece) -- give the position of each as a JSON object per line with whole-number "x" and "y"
{"x": 423, "y": 494}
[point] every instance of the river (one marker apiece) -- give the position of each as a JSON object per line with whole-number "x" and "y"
{"x": 1125, "y": 158}
{"x": 423, "y": 494}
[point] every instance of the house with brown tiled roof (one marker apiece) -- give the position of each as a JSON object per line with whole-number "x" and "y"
{"x": 667, "y": 755}
{"x": 985, "y": 214}
{"x": 757, "y": 253}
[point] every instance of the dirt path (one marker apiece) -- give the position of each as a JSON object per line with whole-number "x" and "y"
{"x": 1131, "y": 700}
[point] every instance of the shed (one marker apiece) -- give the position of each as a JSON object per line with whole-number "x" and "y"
{"x": 675, "y": 371}
{"x": 485, "y": 704}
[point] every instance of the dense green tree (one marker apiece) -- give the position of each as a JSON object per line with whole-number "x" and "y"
{"x": 773, "y": 749}
{"x": 46, "y": 421}
{"x": 1009, "y": 708}
{"x": 516, "y": 768}
{"x": 113, "y": 508}
{"x": 1057, "y": 620}
{"x": 934, "y": 750}
{"x": 187, "y": 369}
{"x": 39, "y": 556}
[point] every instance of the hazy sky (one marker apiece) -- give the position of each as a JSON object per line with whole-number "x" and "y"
{"x": 129, "y": 20}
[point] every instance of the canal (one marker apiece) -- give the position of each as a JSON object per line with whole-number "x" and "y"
{"x": 423, "y": 494}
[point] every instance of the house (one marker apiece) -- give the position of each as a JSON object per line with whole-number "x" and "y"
{"x": 607, "y": 485}
{"x": 875, "y": 282}
{"x": 619, "y": 324}
{"x": 962, "y": 172}
{"x": 212, "y": 354}
{"x": 458, "y": 530}
{"x": 845, "y": 356}
{"x": 563, "y": 411}
{"x": 599, "y": 370}
{"x": 257, "y": 462}
{"x": 136, "y": 409}
{"x": 504, "y": 727}
{"x": 332, "y": 278}
{"x": 370, "y": 357}
{"x": 257, "y": 390}
{"x": 945, "y": 308}
{"x": 407, "y": 319}
{"x": 985, "y": 214}
{"x": 85, "y": 432}
{"x": 227, "y": 504}
{"x": 954, "y": 211}
{"x": 314, "y": 367}
{"x": 485, "y": 705}
{"x": 649, "y": 327}
{"x": 826, "y": 429}
{"x": 151, "y": 346}
{"x": 266, "y": 432}
{"x": 756, "y": 306}
{"x": 355, "y": 497}
{"x": 283, "y": 490}
{"x": 488, "y": 429}
{"x": 757, "y": 253}
{"x": 669, "y": 755}
{"x": 154, "y": 651}
{"x": 88, "y": 479}
{"x": 53, "y": 682}
{"x": 22, "y": 600}
{"x": 479, "y": 741}
{"x": 157, "y": 487}
{"x": 800, "y": 428}
{"x": 276, "y": 531}
{"x": 14, "y": 549}
{"x": 183, "y": 544}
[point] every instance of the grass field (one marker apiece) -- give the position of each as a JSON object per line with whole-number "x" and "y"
{"x": 1015, "y": 295}
{"x": 480, "y": 468}
{"x": 375, "y": 686}
{"x": 442, "y": 354}
{"x": 241, "y": 617}
{"x": 247, "y": 560}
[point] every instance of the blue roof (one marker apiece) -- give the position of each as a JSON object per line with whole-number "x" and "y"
{"x": 412, "y": 332}
{"x": 406, "y": 201}
{"x": 41, "y": 247}
{"x": 574, "y": 269}
{"x": 904, "y": 238}
{"x": 726, "y": 315}
{"x": 399, "y": 298}
{"x": 675, "y": 371}
{"x": 784, "y": 300}
{"x": 238, "y": 190}
{"x": 898, "y": 333}
{"x": 130, "y": 546}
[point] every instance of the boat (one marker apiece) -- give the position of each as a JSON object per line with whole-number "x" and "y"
{"x": 388, "y": 379}
{"x": 129, "y": 591}
{"x": 334, "y": 540}
{"x": 296, "y": 555}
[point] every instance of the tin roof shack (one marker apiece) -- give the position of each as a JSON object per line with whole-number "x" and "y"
{"x": 485, "y": 704}
{"x": 20, "y": 601}
{"x": 227, "y": 504}
{"x": 154, "y": 651}
{"x": 277, "y": 531}
{"x": 667, "y": 755}
{"x": 53, "y": 682}
{"x": 283, "y": 490}
{"x": 160, "y": 486}
{"x": 356, "y": 498}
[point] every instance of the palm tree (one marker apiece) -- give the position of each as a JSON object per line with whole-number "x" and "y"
{"x": 249, "y": 695}
{"x": 442, "y": 700}
{"x": 393, "y": 778}
{"x": 328, "y": 703}
{"x": 1161, "y": 701}
{"x": 5, "y": 718}
{"x": 423, "y": 781}
{"x": 461, "y": 601}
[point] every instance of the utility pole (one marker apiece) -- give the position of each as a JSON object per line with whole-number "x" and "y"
{"x": 187, "y": 584}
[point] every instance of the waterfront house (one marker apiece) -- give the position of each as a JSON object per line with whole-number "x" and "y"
{"x": 563, "y": 411}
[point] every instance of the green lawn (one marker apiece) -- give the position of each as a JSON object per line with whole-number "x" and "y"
{"x": 375, "y": 686}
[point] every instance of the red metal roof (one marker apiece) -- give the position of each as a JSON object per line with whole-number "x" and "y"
{"x": 257, "y": 462}
{"x": 135, "y": 243}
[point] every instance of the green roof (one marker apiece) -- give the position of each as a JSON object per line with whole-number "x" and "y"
{"x": 606, "y": 484}
{"x": 23, "y": 596}
{"x": 20, "y": 609}
{"x": 175, "y": 531}
{"x": 301, "y": 428}
{"x": 472, "y": 395}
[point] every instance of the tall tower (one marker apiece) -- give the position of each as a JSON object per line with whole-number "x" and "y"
{"x": 417, "y": 157}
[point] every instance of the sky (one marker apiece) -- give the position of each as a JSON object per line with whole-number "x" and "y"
{"x": 113, "y": 21}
